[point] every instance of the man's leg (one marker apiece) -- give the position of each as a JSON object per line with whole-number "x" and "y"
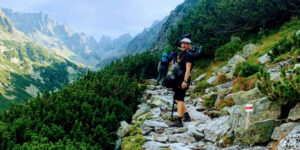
{"x": 181, "y": 109}
{"x": 164, "y": 74}
{"x": 159, "y": 75}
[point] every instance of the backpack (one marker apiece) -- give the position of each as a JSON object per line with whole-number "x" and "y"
{"x": 196, "y": 51}
{"x": 164, "y": 60}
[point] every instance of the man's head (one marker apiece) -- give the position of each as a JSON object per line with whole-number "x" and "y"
{"x": 185, "y": 44}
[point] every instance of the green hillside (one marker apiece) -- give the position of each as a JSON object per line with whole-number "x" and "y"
{"x": 27, "y": 69}
{"x": 83, "y": 115}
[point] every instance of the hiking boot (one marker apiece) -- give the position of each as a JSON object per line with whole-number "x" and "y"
{"x": 187, "y": 117}
{"x": 177, "y": 123}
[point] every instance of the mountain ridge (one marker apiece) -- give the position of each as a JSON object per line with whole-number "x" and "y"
{"x": 60, "y": 38}
{"x": 27, "y": 68}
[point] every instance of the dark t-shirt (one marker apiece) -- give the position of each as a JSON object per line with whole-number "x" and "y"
{"x": 185, "y": 56}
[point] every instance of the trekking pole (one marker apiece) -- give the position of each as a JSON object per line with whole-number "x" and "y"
{"x": 173, "y": 108}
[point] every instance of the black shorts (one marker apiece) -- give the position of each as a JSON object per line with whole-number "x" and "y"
{"x": 179, "y": 93}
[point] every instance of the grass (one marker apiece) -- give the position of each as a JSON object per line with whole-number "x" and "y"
{"x": 32, "y": 57}
{"x": 209, "y": 102}
{"x": 267, "y": 42}
{"x": 133, "y": 142}
{"x": 244, "y": 84}
{"x": 134, "y": 139}
{"x": 224, "y": 102}
{"x": 221, "y": 78}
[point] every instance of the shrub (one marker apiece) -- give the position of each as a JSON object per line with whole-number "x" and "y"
{"x": 285, "y": 45}
{"x": 224, "y": 102}
{"x": 245, "y": 69}
{"x": 244, "y": 84}
{"x": 227, "y": 51}
{"x": 286, "y": 91}
{"x": 133, "y": 142}
{"x": 222, "y": 78}
{"x": 210, "y": 101}
{"x": 201, "y": 87}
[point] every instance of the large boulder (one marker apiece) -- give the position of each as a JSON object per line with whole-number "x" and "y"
{"x": 178, "y": 146}
{"x": 283, "y": 129}
{"x": 183, "y": 138}
{"x": 192, "y": 130}
{"x": 243, "y": 124}
{"x": 216, "y": 129}
{"x": 235, "y": 60}
{"x": 145, "y": 116}
{"x": 152, "y": 145}
{"x": 264, "y": 59}
{"x": 224, "y": 87}
{"x": 295, "y": 113}
{"x": 151, "y": 123}
{"x": 161, "y": 138}
{"x": 211, "y": 80}
{"x": 292, "y": 141}
{"x": 232, "y": 63}
{"x": 275, "y": 76}
{"x": 156, "y": 102}
{"x": 248, "y": 49}
{"x": 123, "y": 128}
{"x": 259, "y": 132}
{"x": 242, "y": 97}
{"x": 142, "y": 110}
{"x": 156, "y": 112}
{"x": 196, "y": 115}
{"x": 263, "y": 109}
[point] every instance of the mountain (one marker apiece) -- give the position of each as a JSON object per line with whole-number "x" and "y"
{"x": 145, "y": 40}
{"x": 171, "y": 22}
{"x": 109, "y": 48}
{"x": 61, "y": 39}
{"x": 27, "y": 68}
{"x": 155, "y": 37}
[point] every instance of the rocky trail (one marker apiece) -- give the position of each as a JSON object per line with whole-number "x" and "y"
{"x": 230, "y": 128}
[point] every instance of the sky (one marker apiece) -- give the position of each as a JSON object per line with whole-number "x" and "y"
{"x": 99, "y": 17}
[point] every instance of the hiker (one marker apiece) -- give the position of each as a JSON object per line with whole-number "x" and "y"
{"x": 173, "y": 56}
{"x": 163, "y": 66}
{"x": 185, "y": 66}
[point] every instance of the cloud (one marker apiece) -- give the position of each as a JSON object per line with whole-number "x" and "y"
{"x": 99, "y": 17}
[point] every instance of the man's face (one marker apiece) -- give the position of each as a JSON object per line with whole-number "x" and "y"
{"x": 185, "y": 46}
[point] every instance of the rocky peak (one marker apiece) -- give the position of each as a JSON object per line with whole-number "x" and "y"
{"x": 171, "y": 22}
{"x": 5, "y": 23}
{"x": 145, "y": 40}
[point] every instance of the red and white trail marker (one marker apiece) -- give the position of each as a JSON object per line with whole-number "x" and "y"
{"x": 249, "y": 107}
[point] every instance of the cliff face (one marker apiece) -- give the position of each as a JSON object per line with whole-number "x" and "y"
{"x": 145, "y": 40}
{"x": 175, "y": 16}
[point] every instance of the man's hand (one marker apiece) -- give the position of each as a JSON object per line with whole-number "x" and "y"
{"x": 184, "y": 85}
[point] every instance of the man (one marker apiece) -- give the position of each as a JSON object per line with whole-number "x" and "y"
{"x": 163, "y": 66}
{"x": 185, "y": 66}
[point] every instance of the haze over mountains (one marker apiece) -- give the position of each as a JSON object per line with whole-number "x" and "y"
{"x": 61, "y": 39}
